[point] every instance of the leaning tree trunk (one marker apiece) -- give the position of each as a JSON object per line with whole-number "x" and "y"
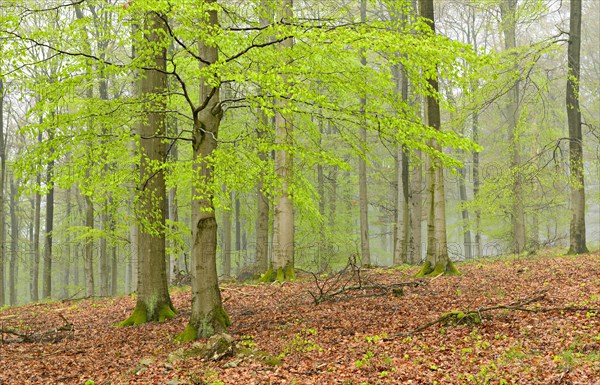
{"x": 282, "y": 264}
{"x": 153, "y": 302}
{"x": 577, "y": 226}
{"x": 208, "y": 314}
{"x": 437, "y": 261}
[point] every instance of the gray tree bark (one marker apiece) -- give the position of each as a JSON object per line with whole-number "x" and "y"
{"x": 282, "y": 264}
{"x": 208, "y": 315}
{"x": 363, "y": 199}
{"x": 577, "y": 240}
{"x": 508, "y": 14}
{"x": 437, "y": 260}
{"x": 153, "y": 302}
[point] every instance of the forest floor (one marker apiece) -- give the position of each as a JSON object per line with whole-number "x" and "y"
{"x": 545, "y": 329}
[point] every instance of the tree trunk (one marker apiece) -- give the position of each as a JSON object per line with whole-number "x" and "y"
{"x": 416, "y": 211}
{"x": 47, "y": 285}
{"x": 262, "y": 202}
{"x": 173, "y": 258}
{"x": 577, "y": 241}
{"x": 227, "y": 239}
{"x": 67, "y": 251}
{"x": 14, "y": 243}
{"x": 462, "y": 190}
{"x": 508, "y": 13}
{"x": 208, "y": 315}
{"x": 476, "y": 185}
{"x": 103, "y": 271}
{"x": 2, "y": 195}
{"x": 153, "y": 302}
{"x": 437, "y": 261}
{"x": 363, "y": 201}
{"x": 88, "y": 257}
{"x": 282, "y": 264}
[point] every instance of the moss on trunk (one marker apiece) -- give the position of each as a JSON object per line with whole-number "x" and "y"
{"x": 281, "y": 274}
{"x": 442, "y": 267}
{"x": 143, "y": 313}
{"x": 215, "y": 322}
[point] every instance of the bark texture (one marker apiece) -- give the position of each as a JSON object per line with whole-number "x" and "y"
{"x": 282, "y": 264}
{"x": 577, "y": 244}
{"x": 208, "y": 315}
{"x": 153, "y": 302}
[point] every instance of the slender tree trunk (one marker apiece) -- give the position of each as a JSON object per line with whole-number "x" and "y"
{"x": 577, "y": 225}
{"x": 2, "y": 195}
{"x": 363, "y": 200}
{"x": 476, "y": 186}
{"x": 173, "y": 269}
{"x": 416, "y": 205}
{"x": 88, "y": 257}
{"x": 227, "y": 239}
{"x": 282, "y": 264}
{"x": 47, "y": 285}
{"x": 153, "y": 302}
{"x": 67, "y": 250}
{"x": 14, "y": 244}
{"x": 113, "y": 258}
{"x": 437, "y": 261}
{"x": 462, "y": 190}
{"x": 508, "y": 13}
{"x": 262, "y": 202}
{"x": 208, "y": 315}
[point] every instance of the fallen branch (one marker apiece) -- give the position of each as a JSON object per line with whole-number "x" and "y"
{"x": 52, "y": 335}
{"x": 350, "y": 280}
{"x": 475, "y": 316}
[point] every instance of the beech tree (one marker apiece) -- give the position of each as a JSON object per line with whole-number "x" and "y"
{"x": 577, "y": 239}
{"x": 153, "y": 301}
{"x": 437, "y": 260}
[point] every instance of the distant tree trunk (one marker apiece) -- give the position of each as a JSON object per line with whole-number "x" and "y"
{"x": 476, "y": 186}
{"x": 437, "y": 261}
{"x": 35, "y": 257}
{"x": 322, "y": 250}
{"x": 282, "y": 264}
{"x": 103, "y": 272}
{"x": 14, "y": 244}
{"x": 113, "y": 259}
{"x": 577, "y": 226}
{"x": 402, "y": 199}
{"x": 208, "y": 314}
{"x": 47, "y": 285}
{"x": 262, "y": 202}
{"x": 363, "y": 199}
{"x": 2, "y": 195}
{"x": 227, "y": 239}
{"x": 173, "y": 211}
{"x": 462, "y": 190}
{"x": 416, "y": 211}
{"x": 88, "y": 257}
{"x": 132, "y": 265}
{"x": 153, "y": 302}
{"x": 508, "y": 14}
{"x": 67, "y": 250}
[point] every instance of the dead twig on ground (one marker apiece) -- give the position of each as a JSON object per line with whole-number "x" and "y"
{"x": 475, "y": 316}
